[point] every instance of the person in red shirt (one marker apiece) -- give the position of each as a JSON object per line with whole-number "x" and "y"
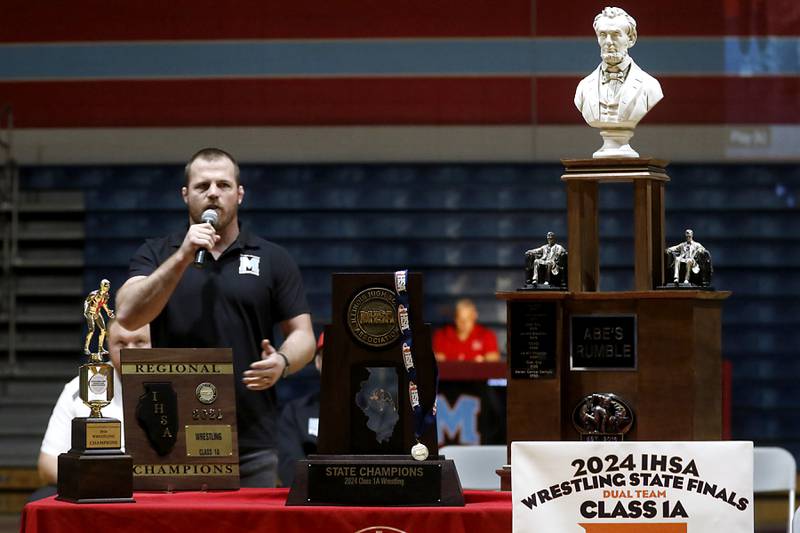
{"x": 466, "y": 340}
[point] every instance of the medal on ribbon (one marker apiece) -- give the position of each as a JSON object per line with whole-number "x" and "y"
{"x": 423, "y": 418}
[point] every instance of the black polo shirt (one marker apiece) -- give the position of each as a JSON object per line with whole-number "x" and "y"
{"x": 233, "y": 302}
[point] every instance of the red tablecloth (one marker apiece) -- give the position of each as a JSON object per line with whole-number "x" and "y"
{"x": 259, "y": 510}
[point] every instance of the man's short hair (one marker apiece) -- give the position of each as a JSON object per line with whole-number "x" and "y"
{"x": 210, "y": 154}
{"x": 613, "y": 12}
{"x": 466, "y": 302}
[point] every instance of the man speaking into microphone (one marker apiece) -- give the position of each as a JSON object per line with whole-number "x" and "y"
{"x": 211, "y": 217}
{"x": 240, "y": 287}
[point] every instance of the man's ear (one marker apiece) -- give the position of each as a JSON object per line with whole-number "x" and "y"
{"x": 185, "y": 195}
{"x": 240, "y": 194}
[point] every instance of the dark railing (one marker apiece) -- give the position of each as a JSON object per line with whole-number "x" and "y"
{"x": 9, "y": 226}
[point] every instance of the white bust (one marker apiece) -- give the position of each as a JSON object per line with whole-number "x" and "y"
{"x": 617, "y": 94}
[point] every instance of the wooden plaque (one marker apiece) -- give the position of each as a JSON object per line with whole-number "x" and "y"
{"x": 179, "y": 407}
{"x": 366, "y": 426}
{"x": 353, "y": 348}
{"x": 532, "y": 340}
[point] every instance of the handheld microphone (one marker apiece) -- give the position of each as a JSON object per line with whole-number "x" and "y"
{"x": 209, "y": 216}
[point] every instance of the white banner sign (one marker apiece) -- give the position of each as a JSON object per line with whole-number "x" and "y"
{"x": 632, "y": 487}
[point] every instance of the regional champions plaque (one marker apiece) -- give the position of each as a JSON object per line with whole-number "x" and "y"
{"x": 180, "y": 413}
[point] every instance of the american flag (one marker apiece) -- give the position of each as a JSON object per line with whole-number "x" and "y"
{"x": 421, "y": 80}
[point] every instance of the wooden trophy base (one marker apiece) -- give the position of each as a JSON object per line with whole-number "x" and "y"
{"x": 505, "y": 477}
{"x": 95, "y": 470}
{"x": 375, "y": 480}
{"x": 674, "y": 385}
{"x": 95, "y": 476}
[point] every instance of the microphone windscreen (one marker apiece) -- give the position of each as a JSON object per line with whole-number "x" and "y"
{"x": 210, "y": 216}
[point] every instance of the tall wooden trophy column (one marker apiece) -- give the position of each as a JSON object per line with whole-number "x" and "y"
{"x": 634, "y": 365}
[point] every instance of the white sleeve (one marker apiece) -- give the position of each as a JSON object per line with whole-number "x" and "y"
{"x": 58, "y": 437}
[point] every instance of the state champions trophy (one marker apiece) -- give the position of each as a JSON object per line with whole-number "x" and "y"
{"x": 377, "y": 442}
{"x": 95, "y": 470}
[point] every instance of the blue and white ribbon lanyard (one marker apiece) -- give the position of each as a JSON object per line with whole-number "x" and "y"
{"x": 422, "y": 418}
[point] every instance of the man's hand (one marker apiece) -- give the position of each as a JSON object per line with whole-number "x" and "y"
{"x": 265, "y": 373}
{"x": 199, "y": 236}
{"x": 142, "y": 298}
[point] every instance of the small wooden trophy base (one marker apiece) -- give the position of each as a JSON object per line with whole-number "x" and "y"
{"x": 375, "y": 480}
{"x": 94, "y": 470}
{"x": 95, "y": 476}
{"x": 505, "y": 477}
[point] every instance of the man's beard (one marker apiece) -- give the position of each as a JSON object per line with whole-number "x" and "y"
{"x": 223, "y": 217}
{"x": 613, "y": 58}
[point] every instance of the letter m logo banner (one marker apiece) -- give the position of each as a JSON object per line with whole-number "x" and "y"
{"x": 459, "y": 421}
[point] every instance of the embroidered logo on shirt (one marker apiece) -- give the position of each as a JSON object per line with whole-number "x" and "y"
{"x": 248, "y": 264}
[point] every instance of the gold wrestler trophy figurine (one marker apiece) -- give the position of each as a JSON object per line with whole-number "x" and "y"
{"x": 95, "y": 302}
{"x": 95, "y": 470}
{"x": 97, "y": 376}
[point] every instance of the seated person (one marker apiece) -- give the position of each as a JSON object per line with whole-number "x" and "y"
{"x": 298, "y": 426}
{"x": 466, "y": 340}
{"x": 58, "y": 437}
{"x": 692, "y": 260}
{"x": 547, "y": 261}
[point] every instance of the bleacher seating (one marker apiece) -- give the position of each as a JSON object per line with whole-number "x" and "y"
{"x": 466, "y": 227}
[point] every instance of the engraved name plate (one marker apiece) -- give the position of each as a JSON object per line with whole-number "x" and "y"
{"x": 532, "y": 340}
